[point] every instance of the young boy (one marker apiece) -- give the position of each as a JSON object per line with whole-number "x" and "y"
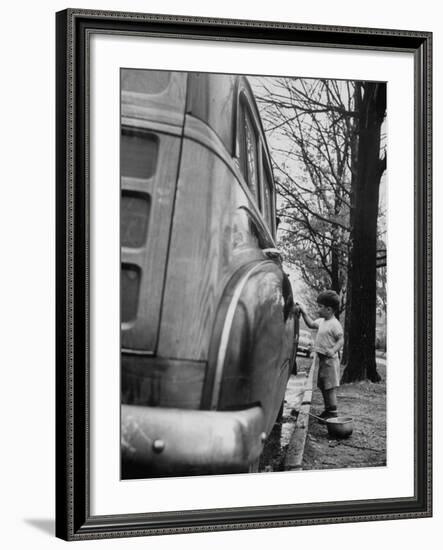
{"x": 328, "y": 343}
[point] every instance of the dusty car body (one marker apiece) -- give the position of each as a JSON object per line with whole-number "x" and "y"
{"x": 206, "y": 309}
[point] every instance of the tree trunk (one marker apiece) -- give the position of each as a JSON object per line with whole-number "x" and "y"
{"x": 361, "y": 363}
{"x": 354, "y": 160}
{"x": 335, "y": 275}
{"x": 345, "y": 354}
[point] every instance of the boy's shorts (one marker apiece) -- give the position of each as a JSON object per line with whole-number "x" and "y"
{"x": 328, "y": 372}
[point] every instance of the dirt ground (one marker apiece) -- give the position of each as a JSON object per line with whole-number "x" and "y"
{"x": 366, "y": 403}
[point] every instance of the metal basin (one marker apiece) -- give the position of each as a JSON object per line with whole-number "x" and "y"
{"x": 340, "y": 427}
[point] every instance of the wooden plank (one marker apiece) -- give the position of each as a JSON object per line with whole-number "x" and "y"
{"x": 296, "y": 447}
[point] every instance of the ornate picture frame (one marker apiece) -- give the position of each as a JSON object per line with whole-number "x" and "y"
{"x": 74, "y": 518}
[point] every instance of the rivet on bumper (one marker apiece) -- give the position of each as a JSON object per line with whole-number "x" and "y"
{"x": 158, "y": 446}
{"x": 263, "y": 437}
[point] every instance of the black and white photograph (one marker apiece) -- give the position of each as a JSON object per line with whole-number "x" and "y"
{"x": 220, "y": 237}
{"x": 243, "y": 274}
{"x": 253, "y": 290}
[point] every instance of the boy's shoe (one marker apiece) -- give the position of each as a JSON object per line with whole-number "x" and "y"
{"x": 328, "y": 414}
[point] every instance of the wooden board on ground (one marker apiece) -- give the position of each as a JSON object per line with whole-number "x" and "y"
{"x": 294, "y": 454}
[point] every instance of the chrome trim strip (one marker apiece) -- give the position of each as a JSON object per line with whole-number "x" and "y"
{"x": 164, "y": 125}
{"x": 130, "y": 351}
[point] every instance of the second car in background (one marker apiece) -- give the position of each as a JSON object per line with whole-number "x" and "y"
{"x": 305, "y": 343}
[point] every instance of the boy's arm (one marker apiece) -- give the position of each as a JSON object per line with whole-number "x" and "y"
{"x": 309, "y": 322}
{"x": 337, "y": 346}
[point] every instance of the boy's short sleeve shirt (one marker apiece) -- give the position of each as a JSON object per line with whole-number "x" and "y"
{"x": 329, "y": 332}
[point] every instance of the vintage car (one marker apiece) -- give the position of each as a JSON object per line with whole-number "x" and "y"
{"x": 207, "y": 328}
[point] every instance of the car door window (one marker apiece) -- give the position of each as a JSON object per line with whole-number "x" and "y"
{"x": 250, "y": 153}
{"x": 267, "y": 199}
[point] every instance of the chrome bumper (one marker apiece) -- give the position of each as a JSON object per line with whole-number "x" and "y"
{"x": 178, "y": 441}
